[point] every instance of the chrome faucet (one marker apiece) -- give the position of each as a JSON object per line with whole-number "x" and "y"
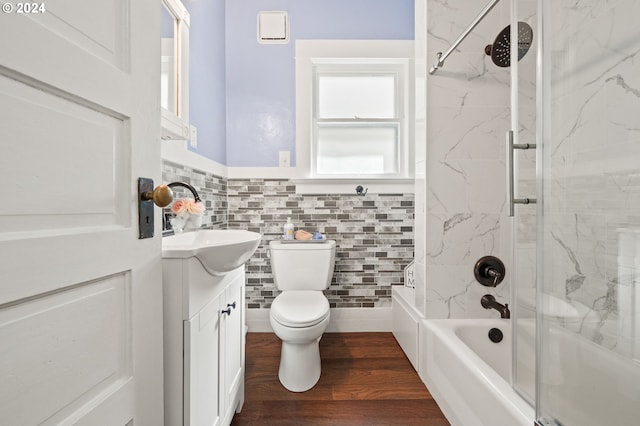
{"x": 490, "y": 302}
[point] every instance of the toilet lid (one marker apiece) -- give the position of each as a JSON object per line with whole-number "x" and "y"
{"x": 300, "y": 308}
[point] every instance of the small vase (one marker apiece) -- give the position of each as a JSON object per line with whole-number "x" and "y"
{"x": 178, "y": 224}
{"x": 193, "y": 223}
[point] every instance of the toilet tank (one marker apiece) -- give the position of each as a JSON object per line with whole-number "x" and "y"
{"x": 302, "y": 265}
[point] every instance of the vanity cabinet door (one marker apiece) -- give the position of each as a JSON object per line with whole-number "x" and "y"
{"x": 201, "y": 358}
{"x": 232, "y": 349}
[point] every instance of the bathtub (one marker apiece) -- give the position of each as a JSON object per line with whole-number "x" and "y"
{"x": 469, "y": 375}
{"x": 406, "y": 321}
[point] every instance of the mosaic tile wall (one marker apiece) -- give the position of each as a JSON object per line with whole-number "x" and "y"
{"x": 374, "y": 233}
{"x": 211, "y": 188}
{"x": 374, "y": 236}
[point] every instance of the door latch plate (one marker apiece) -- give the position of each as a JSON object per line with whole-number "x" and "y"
{"x": 145, "y": 209}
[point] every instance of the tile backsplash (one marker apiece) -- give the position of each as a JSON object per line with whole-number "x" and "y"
{"x": 211, "y": 188}
{"x": 373, "y": 233}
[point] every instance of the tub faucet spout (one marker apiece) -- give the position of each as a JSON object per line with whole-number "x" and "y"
{"x": 490, "y": 302}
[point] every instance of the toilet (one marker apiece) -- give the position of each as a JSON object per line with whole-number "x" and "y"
{"x": 300, "y": 313}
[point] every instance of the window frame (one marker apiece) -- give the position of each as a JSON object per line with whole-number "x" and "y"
{"x": 352, "y": 57}
{"x": 361, "y": 68}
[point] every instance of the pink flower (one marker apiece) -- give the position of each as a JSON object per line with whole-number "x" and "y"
{"x": 179, "y": 207}
{"x": 187, "y": 206}
{"x": 195, "y": 208}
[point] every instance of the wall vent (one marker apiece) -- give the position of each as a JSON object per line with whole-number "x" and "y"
{"x": 273, "y": 27}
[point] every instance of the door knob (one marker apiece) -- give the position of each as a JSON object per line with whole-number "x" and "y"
{"x": 162, "y": 195}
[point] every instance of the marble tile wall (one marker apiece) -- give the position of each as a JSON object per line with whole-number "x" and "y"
{"x": 592, "y": 173}
{"x": 467, "y": 113}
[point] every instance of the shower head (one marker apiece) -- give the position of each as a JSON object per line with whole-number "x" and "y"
{"x": 500, "y": 49}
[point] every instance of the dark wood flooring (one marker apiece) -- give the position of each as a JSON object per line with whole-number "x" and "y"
{"x": 366, "y": 380}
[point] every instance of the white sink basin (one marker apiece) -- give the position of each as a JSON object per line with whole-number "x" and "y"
{"x": 219, "y": 250}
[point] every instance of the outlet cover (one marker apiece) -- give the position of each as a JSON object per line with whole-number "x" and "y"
{"x": 285, "y": 158}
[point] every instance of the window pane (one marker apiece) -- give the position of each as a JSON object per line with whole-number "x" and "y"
{"x": 371, "y": 149}
{"x": 363, "y": 96}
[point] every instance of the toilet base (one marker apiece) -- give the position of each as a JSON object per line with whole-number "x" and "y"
{"x": 300, "y": 354}
{"x": 299, "y": 365}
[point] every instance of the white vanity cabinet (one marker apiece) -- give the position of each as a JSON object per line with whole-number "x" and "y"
{"x": 203, "y": 344}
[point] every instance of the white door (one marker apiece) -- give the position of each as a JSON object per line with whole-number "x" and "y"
{"x": 80, "y": 294}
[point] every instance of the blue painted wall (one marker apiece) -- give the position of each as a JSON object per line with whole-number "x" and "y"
{"x": 207, "y": 110}
{"x": 261, "y": 78}
{"x": 246, "y": 122}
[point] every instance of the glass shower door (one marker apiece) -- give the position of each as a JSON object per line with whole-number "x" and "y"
{"x": 588, "y": 319}
{"x": 523, "y": 101}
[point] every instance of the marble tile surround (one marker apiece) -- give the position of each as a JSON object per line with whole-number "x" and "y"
{"x": 467, "y": 115}
{"x": 593, "y": 174}
{"x": 592, "y": 185}
{"x": 374, "y": 233}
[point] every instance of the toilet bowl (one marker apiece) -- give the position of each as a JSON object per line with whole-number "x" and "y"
{"x": 299, "y": 318}
{"x": 300, "y": 313}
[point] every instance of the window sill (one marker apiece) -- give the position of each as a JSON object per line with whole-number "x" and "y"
{"x": 348, "y": 186}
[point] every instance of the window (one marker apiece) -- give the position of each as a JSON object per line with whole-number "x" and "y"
{"x": 358, "y": 120}
{"x": 353, "y": 123}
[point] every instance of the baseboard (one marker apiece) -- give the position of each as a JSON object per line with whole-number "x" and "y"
{"x": 343, "y": 320}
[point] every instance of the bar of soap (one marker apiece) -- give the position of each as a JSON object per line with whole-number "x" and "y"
{"x": 302, "y": 235}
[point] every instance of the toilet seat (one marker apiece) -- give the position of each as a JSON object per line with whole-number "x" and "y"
{"x": 300, "y": 308}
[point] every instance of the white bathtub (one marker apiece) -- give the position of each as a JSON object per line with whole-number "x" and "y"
{"x": 406, "y": 323}
{"x": 469, "y": 375}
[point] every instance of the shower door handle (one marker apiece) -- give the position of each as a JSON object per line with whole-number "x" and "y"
{"x": 510, "y": 174}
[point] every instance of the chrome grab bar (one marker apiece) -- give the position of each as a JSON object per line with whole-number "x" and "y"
{"x": 510, "y": 178}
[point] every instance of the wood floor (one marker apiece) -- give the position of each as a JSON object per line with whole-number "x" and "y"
{"x": 366, "y": 380}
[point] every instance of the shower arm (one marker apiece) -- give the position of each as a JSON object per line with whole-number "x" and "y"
{"x": 443, "y": 56}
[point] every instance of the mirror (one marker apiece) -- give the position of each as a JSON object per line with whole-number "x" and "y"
{"x": 174, "y": 65}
